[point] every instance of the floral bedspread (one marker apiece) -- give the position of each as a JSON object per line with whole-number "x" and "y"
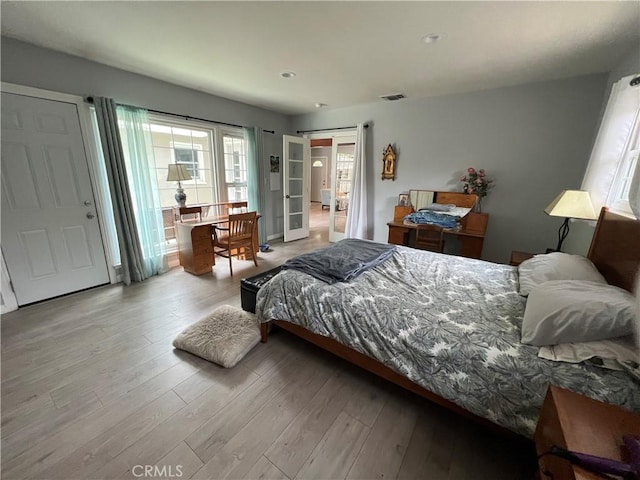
{"x": 450, "y": 324}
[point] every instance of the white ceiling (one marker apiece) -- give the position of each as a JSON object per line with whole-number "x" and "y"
{"x": 344, "y": 53}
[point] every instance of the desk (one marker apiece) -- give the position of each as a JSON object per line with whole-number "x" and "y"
{"x": 195, "y": 245}
{"x": 210, "y": 210}
{"x": 580, "y": 424}
{"x": 471, "y": 239}
{"x": 470, "y": 232}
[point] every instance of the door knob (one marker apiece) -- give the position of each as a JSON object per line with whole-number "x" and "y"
{"x": 90, "y": 215}
{"x": 87, "y": 203}
{"x": 287, "y": 196}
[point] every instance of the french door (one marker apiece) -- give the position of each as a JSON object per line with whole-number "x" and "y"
{"x": 50, "y": 234}
{"x": 342, "y": 154}
{"x": 296, "y": 181}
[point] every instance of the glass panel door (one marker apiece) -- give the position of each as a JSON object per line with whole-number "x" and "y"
{"x": 297, "y": 154}
{"x": 342, "y": 181}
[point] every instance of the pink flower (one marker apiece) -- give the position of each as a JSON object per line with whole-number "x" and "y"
{"x": 463, "y": 178}
{"x": 471, "y": 170}
{"x": 479, "y": 181}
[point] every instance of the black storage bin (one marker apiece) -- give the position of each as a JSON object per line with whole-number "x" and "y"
{"x": 249, "y": 288}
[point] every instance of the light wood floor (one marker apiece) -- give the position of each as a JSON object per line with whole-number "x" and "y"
{"x": 92, "y": 388}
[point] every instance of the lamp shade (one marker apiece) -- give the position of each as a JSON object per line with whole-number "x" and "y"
{"x": 178, "y": 173}
{"x": 572, "y": 204}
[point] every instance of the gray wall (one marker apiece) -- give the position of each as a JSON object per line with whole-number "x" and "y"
{"x": 534, "y": 140}
{"x": 33, "y": 66}
{"x": 582, "y": 232}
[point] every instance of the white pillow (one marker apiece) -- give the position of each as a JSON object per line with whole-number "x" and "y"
{"x": 565, "y": 311}
{"x": 556, "y": 266}
{"x": 608, "y": 354}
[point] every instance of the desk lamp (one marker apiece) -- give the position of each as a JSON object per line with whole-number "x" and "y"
{"x": 178, "y": 173}
{"x": 570, "y": 204}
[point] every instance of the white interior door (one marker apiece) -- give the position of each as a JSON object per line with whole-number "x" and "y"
{"x": 318, "y": 177}
{"x": 342, "y": 155}
{"x": 297, "y": 177}
{"x": 50, "y": 234}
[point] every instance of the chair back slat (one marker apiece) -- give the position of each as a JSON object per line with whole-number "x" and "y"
{"x": 241, "y": 225}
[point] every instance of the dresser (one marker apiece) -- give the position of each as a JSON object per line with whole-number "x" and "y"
{"x": 470, "y": 232}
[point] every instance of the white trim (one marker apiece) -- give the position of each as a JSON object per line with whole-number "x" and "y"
{"x": 39, "y": 93}
{"x": 84, "y": 113}
{"x": 9, "y": 300}
{"x": 92, "y": 159}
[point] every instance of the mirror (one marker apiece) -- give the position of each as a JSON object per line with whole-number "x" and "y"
{"x": 421, "y": 198}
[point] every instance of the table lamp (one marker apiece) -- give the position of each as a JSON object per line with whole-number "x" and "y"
{"x": 570, "y": 204}
{"x": 177, "y": 173}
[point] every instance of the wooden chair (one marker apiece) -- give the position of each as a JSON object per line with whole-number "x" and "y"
{"x": 194, "y": 213}
{"x": 238, "y": 237}
{"x": 236, "y": 207}
{"x": 430, "y": 237}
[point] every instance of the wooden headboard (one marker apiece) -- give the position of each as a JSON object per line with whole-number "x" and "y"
{"x": 615, "y": 248}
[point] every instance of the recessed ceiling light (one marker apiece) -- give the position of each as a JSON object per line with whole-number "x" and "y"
{"x": 431, "y": 38}
{"x": 288, "y": 74}
{"x": 320, "y": 105}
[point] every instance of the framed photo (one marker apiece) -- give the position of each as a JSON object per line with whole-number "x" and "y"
{"x": 274, "y": 160}
{"x": 403, "y": 200}
{"x": 388, "y": 163}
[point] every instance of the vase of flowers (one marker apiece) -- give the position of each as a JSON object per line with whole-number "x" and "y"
{"x": 476, "y": 181}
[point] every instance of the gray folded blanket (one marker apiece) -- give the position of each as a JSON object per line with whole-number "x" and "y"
{"x": 342, "y": 261}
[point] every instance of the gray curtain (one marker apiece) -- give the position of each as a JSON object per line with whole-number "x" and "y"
{"x": 256, "y": 177}
{"x": 131, "y": 256}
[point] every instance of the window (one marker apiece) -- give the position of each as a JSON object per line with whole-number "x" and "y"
{"x": 198, "y": 146}
{"x": 214, "y": 156}
{"x": 235, "y": 167}
{"x": 189, "y": 158}
{"x": 614, "y": 159}
{"x": 622, "y": 182}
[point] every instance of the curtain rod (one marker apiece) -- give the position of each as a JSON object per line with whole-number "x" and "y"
{"x": 188, "y": 117}
{"x": 366, "y": 125}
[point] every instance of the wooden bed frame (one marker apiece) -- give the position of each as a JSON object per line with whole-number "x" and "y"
{"x": 615, "y": 251}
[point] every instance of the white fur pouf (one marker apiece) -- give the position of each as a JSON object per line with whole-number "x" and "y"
{"x": 223, "y": 337}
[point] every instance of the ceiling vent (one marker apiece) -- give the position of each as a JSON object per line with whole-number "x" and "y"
{"x": 393, "y": 97}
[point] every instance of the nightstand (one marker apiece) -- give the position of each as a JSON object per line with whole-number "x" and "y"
{"x": 580, "y": 424}
{"x": 518, "y": 257}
